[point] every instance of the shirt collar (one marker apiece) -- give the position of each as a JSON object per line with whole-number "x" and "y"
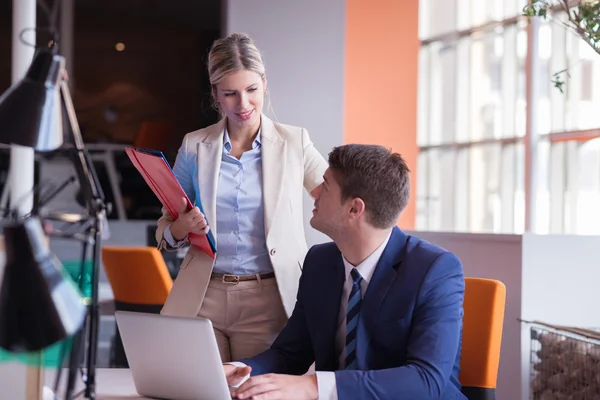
{"x": 367, "y": 267}
{"x": 227, "y": 141}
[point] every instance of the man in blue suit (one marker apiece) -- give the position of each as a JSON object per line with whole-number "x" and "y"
{"x": 379, "y": 312}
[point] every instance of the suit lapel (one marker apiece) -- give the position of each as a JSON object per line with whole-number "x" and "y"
{"x": 210, "y": 151}
{"x": 382, "y": 280}
{"x": 273, "y": 167}
{"x": 333, "y": 280}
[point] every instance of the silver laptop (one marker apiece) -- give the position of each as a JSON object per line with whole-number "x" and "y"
{"x": 172, "y": 358}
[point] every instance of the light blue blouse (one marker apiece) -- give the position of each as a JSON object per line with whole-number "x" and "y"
{"x": 241, "y": 242}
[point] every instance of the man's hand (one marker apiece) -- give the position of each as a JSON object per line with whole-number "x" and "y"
{"x": 275, "y": 386}
{"x": 235, "y": 375}
{"x": 188, "y": 221}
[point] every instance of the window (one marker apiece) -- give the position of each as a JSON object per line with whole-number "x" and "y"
{"x": 474, "y": 75}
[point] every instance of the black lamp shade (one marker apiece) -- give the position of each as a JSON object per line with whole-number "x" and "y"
{"x": 38, "y": 307}
{"x": 31, "y": 110}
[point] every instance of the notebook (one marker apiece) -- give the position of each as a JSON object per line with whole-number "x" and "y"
{"x": 156, "y": 171}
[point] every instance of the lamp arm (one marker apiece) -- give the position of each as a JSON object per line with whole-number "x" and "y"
{"x": 94, "y": 197}
{"x": 86, "y": 172}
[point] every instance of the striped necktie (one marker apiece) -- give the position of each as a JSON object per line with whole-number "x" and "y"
{"x": 352, "y": 316}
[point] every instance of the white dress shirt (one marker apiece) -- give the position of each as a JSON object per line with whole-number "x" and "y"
{"x": 326, "y": 379}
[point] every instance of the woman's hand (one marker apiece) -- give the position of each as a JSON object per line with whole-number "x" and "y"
{"x": 191, "y": 221}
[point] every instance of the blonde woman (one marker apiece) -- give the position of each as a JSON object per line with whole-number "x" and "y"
{"x": 249, "y": 173}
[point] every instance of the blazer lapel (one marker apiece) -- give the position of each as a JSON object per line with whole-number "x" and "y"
{"x": 210, "y": 150}
{"x": 273, "y": 167}
{"x": 333, "y": 280}
{"x": 382, "y": 280}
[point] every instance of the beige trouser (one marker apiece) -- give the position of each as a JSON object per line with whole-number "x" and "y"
{"x": 246, "y": 317}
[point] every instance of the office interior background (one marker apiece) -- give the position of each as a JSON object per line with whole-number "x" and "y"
{"x": 505, "y": 166}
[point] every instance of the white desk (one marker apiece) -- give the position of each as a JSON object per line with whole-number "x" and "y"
{"x": 111, "y": 383}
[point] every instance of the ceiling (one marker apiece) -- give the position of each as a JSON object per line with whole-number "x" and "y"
{"x": 177, "y": 14}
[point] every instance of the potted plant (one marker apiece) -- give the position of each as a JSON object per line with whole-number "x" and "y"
{"x": 583, "y": 19}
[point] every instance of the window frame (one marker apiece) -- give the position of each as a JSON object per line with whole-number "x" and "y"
{"x": 531, "y": 140}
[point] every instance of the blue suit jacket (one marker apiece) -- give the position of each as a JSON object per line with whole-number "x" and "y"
{"x": 409, "y": 332}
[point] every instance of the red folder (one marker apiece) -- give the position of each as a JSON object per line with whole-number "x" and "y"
{"x": 157, "y": 173}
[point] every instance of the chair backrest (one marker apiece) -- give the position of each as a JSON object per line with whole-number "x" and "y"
{"x": 482, "y": 335}
{"x": 138, "y": 276}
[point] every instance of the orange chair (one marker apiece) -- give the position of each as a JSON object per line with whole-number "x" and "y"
{"x": 482, "y": 334}
{"x": 140, "y": 282}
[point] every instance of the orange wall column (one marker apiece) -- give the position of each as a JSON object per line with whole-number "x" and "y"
{"x": 380, "y": 105}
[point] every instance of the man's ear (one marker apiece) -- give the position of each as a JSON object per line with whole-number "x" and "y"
{"x": 357, "y": 207}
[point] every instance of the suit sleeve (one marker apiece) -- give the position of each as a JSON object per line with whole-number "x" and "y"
{"x": 183, "y": 170}
{"x": 314, "y": 163}
{"x": 292, "y": 352}
{"x": 432, "y": 347}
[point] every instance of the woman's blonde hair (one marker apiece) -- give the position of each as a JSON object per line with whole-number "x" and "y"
{"x": 233, "y": 53}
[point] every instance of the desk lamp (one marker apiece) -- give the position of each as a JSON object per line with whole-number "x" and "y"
{"x": 31, "y": 115}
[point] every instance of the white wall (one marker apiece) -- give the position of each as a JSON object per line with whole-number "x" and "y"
{"x": 561, "y": 278}
{"x": 560, "y": 285}
{"x": 302, "y": 43}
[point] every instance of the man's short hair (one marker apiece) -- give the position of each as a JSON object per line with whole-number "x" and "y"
{"x": 377, "y": 176}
